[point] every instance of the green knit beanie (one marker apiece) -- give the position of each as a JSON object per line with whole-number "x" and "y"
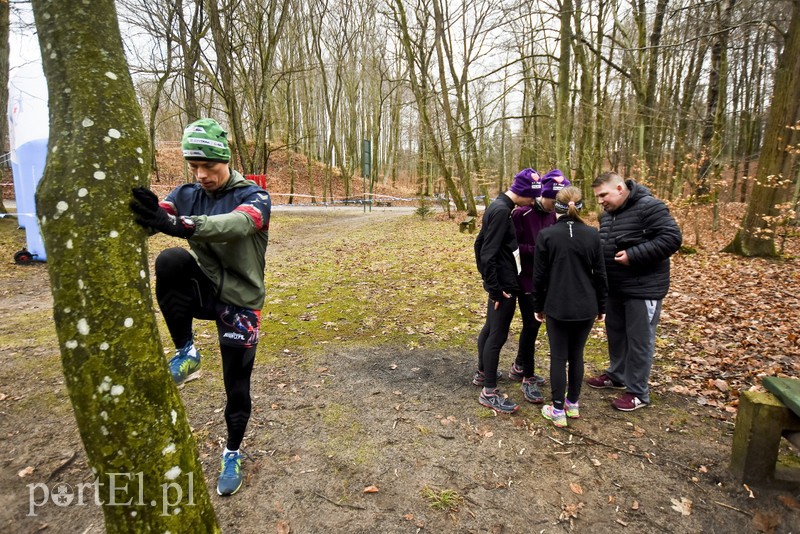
{"x": 205, "y": 139}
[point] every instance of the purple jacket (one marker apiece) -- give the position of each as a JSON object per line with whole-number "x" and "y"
{"x": 528, "y": 222}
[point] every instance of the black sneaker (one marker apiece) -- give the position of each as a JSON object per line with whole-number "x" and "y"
{"x": 497, "y": 402}
{"x": 479, "y": 378}
{"x": 516, "y": 374}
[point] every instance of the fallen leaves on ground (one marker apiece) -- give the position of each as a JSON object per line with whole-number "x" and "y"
{"x": 728, "y": 321}
{"x": 684, "y": 506}
{"x": 789, "y": 502}
{"x": 570, "y": 511}
{"x": 22, "y": 473}
{"x": 766, "y": 522}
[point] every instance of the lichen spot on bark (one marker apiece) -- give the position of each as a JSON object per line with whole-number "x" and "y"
{"x": 173, "y": 473}
{"x": 105, "y": 385}
{"x": 83, "y": 327}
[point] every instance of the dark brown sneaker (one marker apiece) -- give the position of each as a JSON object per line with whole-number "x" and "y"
{"x": 628, "y": 402}
{"x": 604, "y": 382}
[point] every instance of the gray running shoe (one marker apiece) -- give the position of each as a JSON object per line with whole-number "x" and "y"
{"x": 531, "y": 391}
{"x": 479, "y": 378}
{"x": 497, "y": 402}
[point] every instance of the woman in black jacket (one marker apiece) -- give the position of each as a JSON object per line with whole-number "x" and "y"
{"x": 569, "y": 279}
{"x": 497, "y": 259}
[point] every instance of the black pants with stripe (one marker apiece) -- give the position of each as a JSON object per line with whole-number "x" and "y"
{"x": 185, "y": 293}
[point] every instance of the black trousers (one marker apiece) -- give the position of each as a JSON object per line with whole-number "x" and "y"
{"x": 493, "y": 336}
{"x": 527, "y": 338}
{"x": 567, "y": 341}
{"x": 185, "y": 293}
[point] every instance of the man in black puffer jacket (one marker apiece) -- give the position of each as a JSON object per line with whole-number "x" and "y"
{"x": 638, "y": 235}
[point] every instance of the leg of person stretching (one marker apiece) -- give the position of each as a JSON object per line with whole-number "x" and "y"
{"x": 182, "y": 290}
{"x": 237, "y": 367}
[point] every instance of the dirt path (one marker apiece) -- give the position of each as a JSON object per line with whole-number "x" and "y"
{"x": 403, "y": 421}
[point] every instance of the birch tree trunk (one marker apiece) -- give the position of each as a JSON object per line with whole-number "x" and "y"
{"x": 128, "y": 410}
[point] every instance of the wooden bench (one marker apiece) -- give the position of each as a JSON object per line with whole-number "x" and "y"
{"x": 762, "y": 420}
{"x": 467, "y": 225}
{"x": 383, "y": 204}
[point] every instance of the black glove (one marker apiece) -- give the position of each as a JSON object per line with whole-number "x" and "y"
{"x": 150, "y": 215}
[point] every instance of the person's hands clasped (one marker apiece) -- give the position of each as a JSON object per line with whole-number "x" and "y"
{"x": 150, "y": 215}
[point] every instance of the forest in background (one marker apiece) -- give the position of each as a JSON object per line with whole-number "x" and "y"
{"x": 455, "y": 97}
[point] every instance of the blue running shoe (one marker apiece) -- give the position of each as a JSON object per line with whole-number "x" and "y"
{"x": 230, "y": 477}
{"x": 185, "y": 363}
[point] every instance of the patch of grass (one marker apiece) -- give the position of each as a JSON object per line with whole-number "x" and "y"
{"x": 407, "y": 281}
{"x": 333, "y": 414}
{"x": 788, "y": 458}
{"x": 446, "y": 500}
{"x": 347, "y": 443}
{"x": 596, "y": 353}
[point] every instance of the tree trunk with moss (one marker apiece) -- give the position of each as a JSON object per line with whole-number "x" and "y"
{"x": 129, "y": 414}
{"x": 757, "y": 235}
{"x": 4, "y": 52}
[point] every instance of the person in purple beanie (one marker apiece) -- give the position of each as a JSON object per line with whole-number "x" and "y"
{"x": 497, "y": 259}
{"x": 528, "y": 222}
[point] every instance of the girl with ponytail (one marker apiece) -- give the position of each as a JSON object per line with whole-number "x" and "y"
{"x": 569, "y": 279}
